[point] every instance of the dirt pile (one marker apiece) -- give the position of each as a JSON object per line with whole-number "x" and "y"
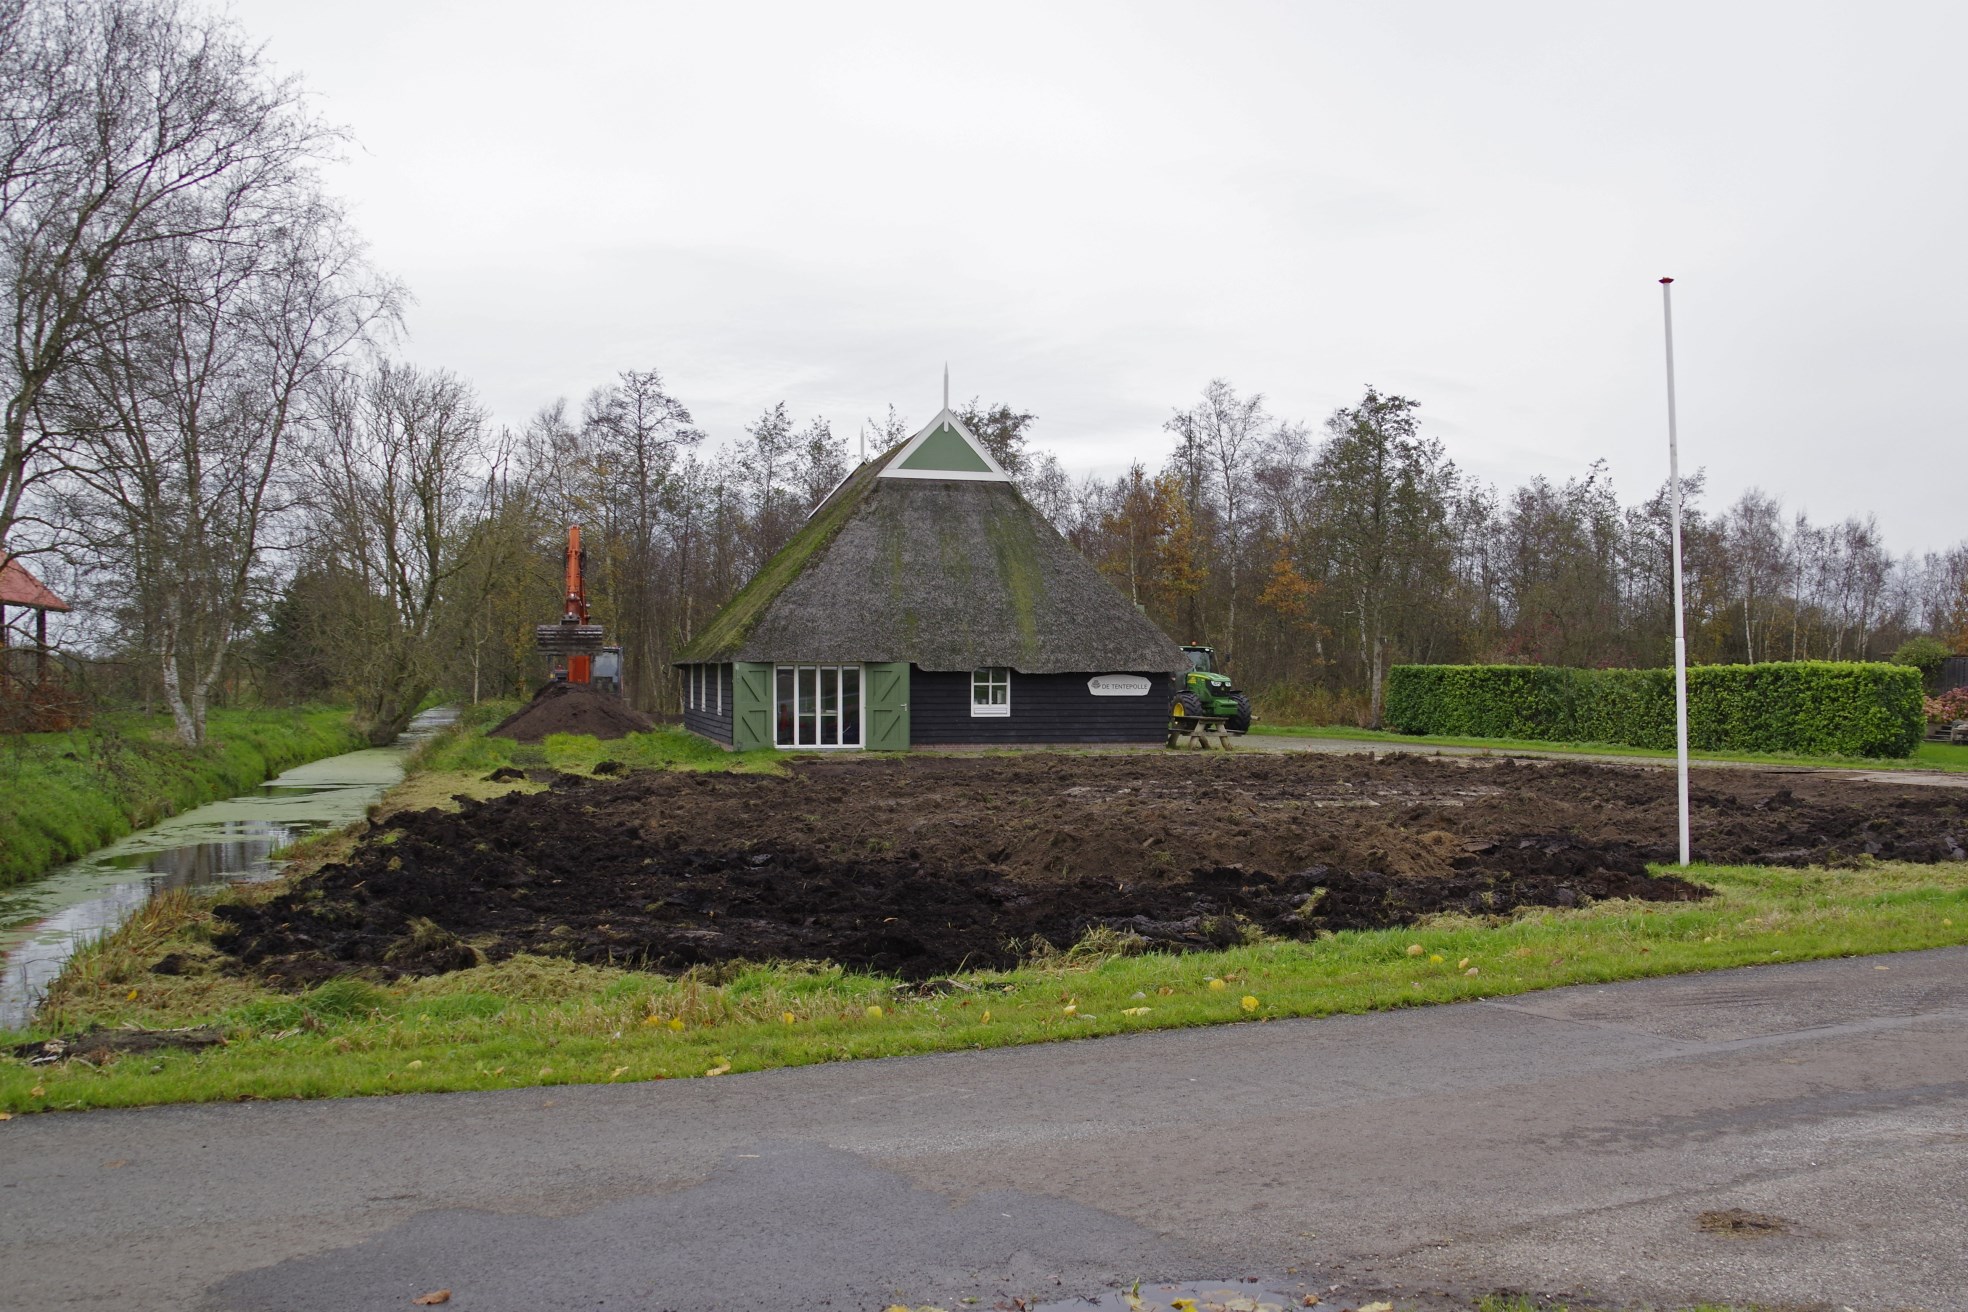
{"x": 571, "y": 708}
{"x": 924, "y": 865}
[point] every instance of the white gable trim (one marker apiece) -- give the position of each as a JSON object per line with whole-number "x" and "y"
{"x": 995, "y": 474}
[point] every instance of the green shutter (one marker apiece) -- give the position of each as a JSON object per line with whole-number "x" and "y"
{"x": 751, "y": 705}
{"x": 888, "y": 707}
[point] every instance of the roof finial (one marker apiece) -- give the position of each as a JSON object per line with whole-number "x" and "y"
{"x": 946, "y": 384}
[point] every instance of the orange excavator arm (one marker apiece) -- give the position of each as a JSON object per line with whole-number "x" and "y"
{"x": 574, "y": 637}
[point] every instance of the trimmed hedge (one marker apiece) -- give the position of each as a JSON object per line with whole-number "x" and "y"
{"x": 1804, "y": 708}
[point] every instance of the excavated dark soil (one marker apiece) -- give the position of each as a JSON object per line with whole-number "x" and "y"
{"x": 923, "y": 865}
{"x": 572, "y": 708}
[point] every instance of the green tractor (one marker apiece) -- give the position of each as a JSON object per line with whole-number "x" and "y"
{"x": 1207, "y": 693}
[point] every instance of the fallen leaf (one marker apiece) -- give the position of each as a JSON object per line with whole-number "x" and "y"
{"x": 719, "y": 1069}
{"x": 415, "y": 1065}
{"x": 6, "y": 1116}
{"x": 1463, "y": 964}
{"x": 1376, "y": 1307}
{"x": 1134, "y": 1011}
{"x": 676, "y": 1023}
{"x": 618, "y": 1072}
{"x": 1416, "y": 949}
{"x": 1248, "y": 1002}
{"x": 1165, "y": 990}
{"x": 1071, "y": 1009}
{"x": 1310, "y": 1300}
{"x": 652, "y": 1020}
{"x": 1437, "y": 958}
{"x": 37, "y": 1092}
{"x": 545, "y": 1071}
{"x": 1218, "y": 984}
{"x": 787, "y": 1016}
{"x": 1471, "y": 971}
{"x": 432, "y": 1299}
{"x": 131, "y": 996}
{"x": 875, "y": 1012}
{"x": 986, "y": 1018}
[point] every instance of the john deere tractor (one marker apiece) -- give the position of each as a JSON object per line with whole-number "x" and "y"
{"x": 1205, "y": 692}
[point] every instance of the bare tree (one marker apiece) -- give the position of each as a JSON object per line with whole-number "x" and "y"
{"x": 1217, "y": 440}
{"x": 181, "y": 411}
{"x": 131, "y": 127}
{"x": 398, "y": 479}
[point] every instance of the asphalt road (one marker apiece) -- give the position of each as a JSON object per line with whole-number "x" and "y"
{"x": 1564, "y": 1143}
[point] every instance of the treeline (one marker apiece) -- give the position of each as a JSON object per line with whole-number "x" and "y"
{"x": 1317, "y": 558}
{"x": 211, "y": 444}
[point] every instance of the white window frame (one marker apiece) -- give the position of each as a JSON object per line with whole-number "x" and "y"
{"x": 994, "y": 678}
{"x": 860, "y": 706}
{"x": 717, "y": 673}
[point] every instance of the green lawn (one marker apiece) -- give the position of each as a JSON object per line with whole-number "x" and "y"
{"x": 1929, "y": 756}
{"x": 63, "y": 795}
{"x": 540, "y": 1021}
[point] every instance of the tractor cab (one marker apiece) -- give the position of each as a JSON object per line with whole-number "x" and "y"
{"x": 1201, "y": 659}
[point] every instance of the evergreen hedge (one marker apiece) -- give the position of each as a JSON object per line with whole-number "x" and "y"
{"x": 1804, "y": 708}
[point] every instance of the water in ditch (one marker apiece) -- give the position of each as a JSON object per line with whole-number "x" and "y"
{"x": 44, "y": 921}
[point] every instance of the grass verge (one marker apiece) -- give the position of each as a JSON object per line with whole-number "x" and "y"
{"x": 63, "y": 795}
{"x": 539, "y": 1021}
{"x": 1928, "y": 756}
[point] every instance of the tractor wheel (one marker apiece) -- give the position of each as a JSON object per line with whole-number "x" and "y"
{"x": 1187, "y": 705}
{"x": 1240, "y": 722}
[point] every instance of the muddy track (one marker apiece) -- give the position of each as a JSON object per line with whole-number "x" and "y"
{"x": 920, "y": 866}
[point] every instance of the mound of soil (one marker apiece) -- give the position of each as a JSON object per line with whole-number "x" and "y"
{"x": 924, "y": 865}
{"x": 572, "y": 708}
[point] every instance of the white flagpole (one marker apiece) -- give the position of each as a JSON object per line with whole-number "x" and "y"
{"x": 1680, "y": 629}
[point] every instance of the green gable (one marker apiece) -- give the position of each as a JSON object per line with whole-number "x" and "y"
{"x": 946, "y": 450}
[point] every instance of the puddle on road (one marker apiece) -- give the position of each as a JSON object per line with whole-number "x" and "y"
{"x": 1248, "y": 1295}
{"x": 44, "y": 921}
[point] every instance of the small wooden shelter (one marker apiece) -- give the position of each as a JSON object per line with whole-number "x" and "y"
{"x": 20, "y": 590}
{"x": 925, "y": 601}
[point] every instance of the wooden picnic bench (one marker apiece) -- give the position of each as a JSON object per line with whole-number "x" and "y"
{"x": 1199, "y": 731}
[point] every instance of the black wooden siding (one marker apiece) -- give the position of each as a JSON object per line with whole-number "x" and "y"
{"x": 712, "y": 722}
{"x": 1045, "y": 708}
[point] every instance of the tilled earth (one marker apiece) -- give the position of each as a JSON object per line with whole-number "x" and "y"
{"x": 924, "y": 865}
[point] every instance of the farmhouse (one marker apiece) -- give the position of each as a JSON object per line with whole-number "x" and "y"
{"x": 925, "y": 601}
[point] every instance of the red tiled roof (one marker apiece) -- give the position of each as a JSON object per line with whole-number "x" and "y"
{"x": 20, "y": 588}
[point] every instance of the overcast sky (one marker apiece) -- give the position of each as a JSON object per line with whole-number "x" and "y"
{"x": 1090, "y": 210}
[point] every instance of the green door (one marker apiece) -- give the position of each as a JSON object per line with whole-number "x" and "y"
{"x": 888, "y": 707}
{"x": 751, "y": 705}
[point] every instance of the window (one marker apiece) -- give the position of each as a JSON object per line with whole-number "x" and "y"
{"x": 990, "y": 690}
{"x": 816, "y": 706}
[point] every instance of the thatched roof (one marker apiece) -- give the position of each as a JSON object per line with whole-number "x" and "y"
{"x": 949, "y": 573}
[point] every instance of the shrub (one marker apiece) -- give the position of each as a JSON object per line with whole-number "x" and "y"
{"x": 1924, "y": 654}
{"x": 1949, "y": 706}
{"x": 1810, "y": 708}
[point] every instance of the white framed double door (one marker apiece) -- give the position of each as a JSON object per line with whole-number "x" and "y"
{"x": 818, "y": 706}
